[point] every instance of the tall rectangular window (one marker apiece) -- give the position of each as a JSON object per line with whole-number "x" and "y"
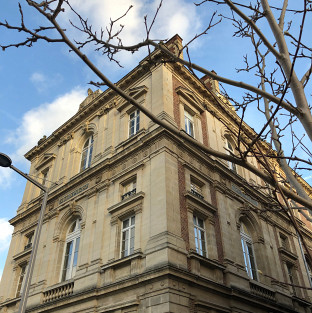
{"x": 290, "y": 272}
{"x": 199, "y": 232}
{"x": 21, "y": 280}
{"x": 134, "y": 122}
{"x": 189, "y": 123}
{"x": 29, "y": 241}
{"x": 249, "y": 257}
{"x": 71, "y": 250}
{"x": 127, "y": 236}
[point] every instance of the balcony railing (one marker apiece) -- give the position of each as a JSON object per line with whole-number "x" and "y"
{"x": 197, "y": 194}
{"x": 128, "y": 194}
{"x": 58, "y": 292}
{"x": 262, "y": 292}
{"x": 28, "y": 246}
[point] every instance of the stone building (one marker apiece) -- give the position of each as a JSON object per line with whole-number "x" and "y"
{"x": 139, "y": 221}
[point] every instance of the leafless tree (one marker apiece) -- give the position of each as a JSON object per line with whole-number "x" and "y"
{"x": 280, "y": 94}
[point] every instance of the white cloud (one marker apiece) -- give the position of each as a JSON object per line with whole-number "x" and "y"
{"x": 37, "y": 77}
{"x": 6, "y": 231}
{"x": 43, "y": 120}
{"x": 5, "y": 178}
{"x": 42, "y": 82}
{"x": 175, "y": 17}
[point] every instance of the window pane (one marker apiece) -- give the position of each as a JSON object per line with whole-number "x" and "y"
{"x": 125, "y": 223}
{"x": 67, "y": 260}
{"x": 76, "y": 252}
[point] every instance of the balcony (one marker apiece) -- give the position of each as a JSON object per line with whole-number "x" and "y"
{"x": 197, "y": 194}
{"x": 60, "y": 291}
{"x": 28, "y": 246}
{"x": 261, "y": 291}
{"x": 128, "y": 194}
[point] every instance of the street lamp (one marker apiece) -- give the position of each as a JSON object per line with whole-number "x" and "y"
{"x": 5, "y": 161}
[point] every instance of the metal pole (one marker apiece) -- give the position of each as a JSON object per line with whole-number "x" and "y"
{"x": 25, "y": 291}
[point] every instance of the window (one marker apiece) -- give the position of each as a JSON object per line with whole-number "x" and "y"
{"x": 45, "y": 177}
{"x": 86, "y": 154}
{"x": 248, "y": 252}
{"x": 21, "y": 280}
{"x": 230, "y": 151}
{"x": 128, "y": 188}
{"x": 134, "y": 122}
{"x": 290, "y": 272}
{"x": 29, "y": 241}
{"x": 197, "y": 188}
{"x": 199, "y": 232}
{"x": 284, "y": 242}
{"x": 127, "y": 236}
{"x": 189, "y": 123}
{"x": 71, "y": 251}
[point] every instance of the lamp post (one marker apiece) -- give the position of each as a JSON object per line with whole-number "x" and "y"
{"x": 5, "y": 161}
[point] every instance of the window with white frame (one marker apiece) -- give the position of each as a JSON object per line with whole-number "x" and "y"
{"x": 134, "y": 122}
{"x": 127, "y": 236}
{"x": 230, "y": 151}
{"x": 200, "y": 236}
{"x": 128, "y": 188}
{"x": 71, "y": 250}
{"x": 248, "y": 252}
{"x": 86, "y": 154}
{"x": 189, "y": 123}
{"x": 21, "y": 280}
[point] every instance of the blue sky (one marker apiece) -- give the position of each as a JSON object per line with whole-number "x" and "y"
{"x": 41, "y": 87}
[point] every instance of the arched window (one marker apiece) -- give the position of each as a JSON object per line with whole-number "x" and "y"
{"x": 248, "y": 252}
{"x": 71, "y": 250}
{"x": 86, "y": 154}
{"x": 230, "y": 151}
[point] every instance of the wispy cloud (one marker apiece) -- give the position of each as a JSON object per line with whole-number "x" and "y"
{"x": 43, "y": 120}
{"x": 5, "y": 234}
{"x": 43, "y": 82}
{"x": 175, "y": 17}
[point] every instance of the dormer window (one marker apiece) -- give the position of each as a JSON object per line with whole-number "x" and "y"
{"x": 86, "y": 154}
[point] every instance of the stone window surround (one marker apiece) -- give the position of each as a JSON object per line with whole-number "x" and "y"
{"x": 131, "y": 206}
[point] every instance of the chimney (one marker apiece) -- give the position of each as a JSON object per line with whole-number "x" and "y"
{"x": 175, "y": 45}
{"x": 210, "y": 83}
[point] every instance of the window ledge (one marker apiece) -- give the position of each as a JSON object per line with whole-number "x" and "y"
{"x": 206, "y": 261}
{"x": 189, "y": 195}
{"x": 10, "y": 302}
{"x": 287, "y": 253}
{"x": 262, "y": 291}
{"x": 22, "y": 254}
{"x": 131, "y": 139}
{"x": 126, "y": 202}
{"x": 123, "y": 261}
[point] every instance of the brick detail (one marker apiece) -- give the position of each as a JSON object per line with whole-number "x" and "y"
{"x": 176, "y": 105}
{"x": 217, "y": 225}
{"x": 203, "y": 118}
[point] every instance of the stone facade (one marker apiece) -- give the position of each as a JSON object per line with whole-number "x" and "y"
{"x": 154, "y": 224}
